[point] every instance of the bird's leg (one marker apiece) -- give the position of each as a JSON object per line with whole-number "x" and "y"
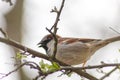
{"x": 83, "y": 65}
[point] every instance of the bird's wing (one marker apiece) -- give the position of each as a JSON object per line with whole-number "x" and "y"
{"x": 72, "y": 40}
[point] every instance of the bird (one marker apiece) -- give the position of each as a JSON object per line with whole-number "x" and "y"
{"x": 74, "y": 51}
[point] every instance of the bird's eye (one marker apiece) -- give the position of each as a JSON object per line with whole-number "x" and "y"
{"x": 49, "y": 38}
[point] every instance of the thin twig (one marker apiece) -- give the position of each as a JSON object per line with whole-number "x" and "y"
{"x": 4, "y": 33}
{"x": 9, "y": 1}
{"x": 90, "y": 67}
{"x": 106, "y": 75}
{"x": 114, "y": 30}
{"x": 58, "y": 14}
{"x": 55, "y": 28}
{"x": 24, "y": 48}
{"x": 29, "y": 63}
{"x": 55, "y": 44}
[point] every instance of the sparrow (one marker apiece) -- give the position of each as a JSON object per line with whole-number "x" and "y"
{"x": 74, "y": 51}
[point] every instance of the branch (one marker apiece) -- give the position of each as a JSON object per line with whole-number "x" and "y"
{"x": 114, "y": 30}
{"x": 54, "y": 27}
{"x": 21, "y": 47}
{"x": 93, "y": 67}
{"x": 29, "y": 63}
{"x": 58, "y": 14}
{"x": 90, "y": 67}
{"x": 8, "y": 1}
{"x": 4, "y": 33}
{"x": 106, "y": 75}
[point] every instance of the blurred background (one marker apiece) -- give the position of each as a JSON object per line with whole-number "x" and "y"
{"x": 25, "y": 22}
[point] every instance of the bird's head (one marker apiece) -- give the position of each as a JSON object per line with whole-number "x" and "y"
{"x": 45, "y": 40}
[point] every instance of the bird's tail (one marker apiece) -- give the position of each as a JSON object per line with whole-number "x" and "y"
{"x": 103, "y": 43}
{"x": 113, "y": 39}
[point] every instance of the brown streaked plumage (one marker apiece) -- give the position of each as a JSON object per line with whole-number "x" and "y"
{"x": 73, "y": 51}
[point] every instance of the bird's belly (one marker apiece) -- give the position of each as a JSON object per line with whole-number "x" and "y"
{"x": 73, "y": 56}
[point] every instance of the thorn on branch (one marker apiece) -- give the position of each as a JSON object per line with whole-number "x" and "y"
{"x": 49, "y": 30}
{"x": 99, "y": 70}
{"x": 4, "y": 33}
{"x": 103, "y": 63}
{"x": 8, "y": 1}
{"x": 54, "y": 10}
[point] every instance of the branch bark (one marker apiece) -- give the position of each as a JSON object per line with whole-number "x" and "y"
{"x": 21, "y": 47}
{"x": 91, "y": 67}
